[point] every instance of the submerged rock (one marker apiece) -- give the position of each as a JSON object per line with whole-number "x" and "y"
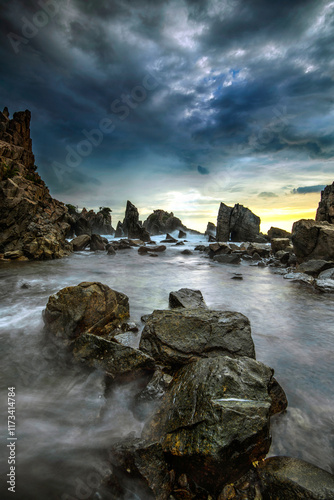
{"x": 174, "y": 338}
{"x": 186, "y": 298}
{"x": 89, "y": 307}
{"x": 214, "y": 419}
{"x": 285, "y": 478}
{"x": 227, "y": 259}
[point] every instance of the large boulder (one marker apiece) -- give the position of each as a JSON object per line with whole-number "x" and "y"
{"x": 210, "y": 230}
{"x": 278, "y": 244}
{"x": 97, "y": 243}
{"x": 325, "y": 210}
{"x": 32, "y": 222}
{"x": 313, "y": 240}
{"x": 161, "y": 222}
{"x": 81, "y": 242}
{"x": 285, "y": 478}
{"x": 213, "y": 421}
{"x": 237, "y": 223}
{"x": 175, "y": 337}
{"x": 89, "y": 307}
{"x": 314, "y": 267}
{"x": 115, "y": 359}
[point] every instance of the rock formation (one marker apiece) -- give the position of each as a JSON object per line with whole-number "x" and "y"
{"x": 33, "y": 225}
{"x": 237, "y": 223}
{"x": 325, "y": 210}
{"x": 162, "y": 222}
{"x": 89, "y": 222}
{"x": 276, "y": 232}
{"x": 211, "y": 230}
{"x": 131, "y": 227}
{"x": 313, "y": 240}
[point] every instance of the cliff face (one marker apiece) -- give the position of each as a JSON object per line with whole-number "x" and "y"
{"x": 237, "y": 223}
{"x": 325, "y": 212}
{"x": 33, "y": 225}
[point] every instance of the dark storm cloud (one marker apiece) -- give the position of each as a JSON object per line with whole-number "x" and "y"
{"x": 308, "y": 189}
{"x": 233, "y": 78}
{"x": 203, "y": 170}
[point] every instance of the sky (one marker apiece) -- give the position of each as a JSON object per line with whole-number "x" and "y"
{"x": 176, "y": 104}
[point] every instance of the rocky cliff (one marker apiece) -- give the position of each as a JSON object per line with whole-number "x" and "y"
{"x": 33, "y": 225}
{"x": 325, "y": 210}
{"x": 237, "y": 223}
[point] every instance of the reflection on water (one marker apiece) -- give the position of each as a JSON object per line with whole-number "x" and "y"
{"x": 64, "y": 414}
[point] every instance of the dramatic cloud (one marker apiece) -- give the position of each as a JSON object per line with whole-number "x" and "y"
{"x": 129, "y": 99}
{"x": 308, "y": 189}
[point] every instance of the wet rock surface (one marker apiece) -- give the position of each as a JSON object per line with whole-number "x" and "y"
{"x": 313, "y": 240}
{"x": 285, "y": 478}
{"x": 186, "y": 298}
{"x": 214, "y": 419}
{"x": 89, "y": 307}
{"x": 115, "y": 359}
{"x": 176, "y": 337}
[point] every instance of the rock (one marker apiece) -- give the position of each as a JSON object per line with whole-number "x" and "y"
{"x": 278, "y": 397}
{"x": 169, "y": 239}
{"x": 186, "y": 252}
{"x": 211, "y": 239}
{"x": 139, "y": 470}
{"x": 324, "y": 285}
{"x": 15, "y": 254}
{"x": 325, "y": 210}
{"x": 89, "y": 307}
{"x": 327, "y": 275}
{"x": 179, "y": 243}
{"x": 111, "y": 250}
{"x": 131, "y": 226}
{"x": 174, "y": 338}
{"x": 81, "y": 242}
{"x": 313, "y": 240}
{"x": 285, "y": 478}
{"x": 121, "y": 245}
{"x": 210, "y": 230}
{"x": 97, "y": 243}
{"x": 161, "y": 222}
{"x": 182, "y": 234}
{"x": 119, "y": 233}
{"x": 213, "y": 422}
{"x": 282, "y": 256}
{"x": 89, "y": 222}
{"x": 186, "y": 298}
{"x": 218, "y": 248}
{"x": 276, "y": 232}
{"x": 314, "y": 267}
{"x": 299, "y": 278}
{"x": 157, "y": 248}
{"x": 32, "y": 222}
{"x": 116, "y": 360}
{"x": 237, "y": 223}
{"x": 201, "y": 248}
{"x": 148, "y": 399}
{"x": 278, "y": 244}
{"x": 237, "y": 276}
{"x": 227, "y": 259}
